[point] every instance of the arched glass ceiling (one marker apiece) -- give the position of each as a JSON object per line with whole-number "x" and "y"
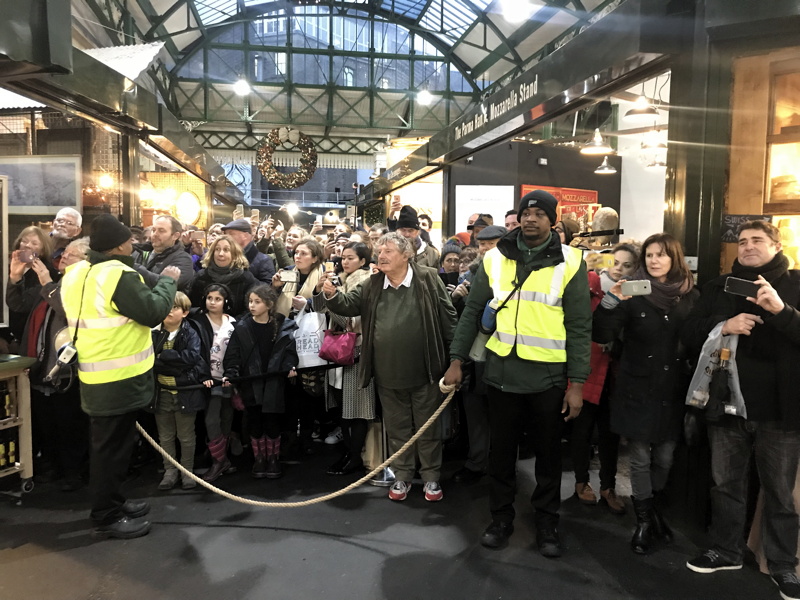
{"x": 345, "y": 71}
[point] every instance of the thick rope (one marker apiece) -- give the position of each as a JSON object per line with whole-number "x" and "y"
{"x": 449, "y": 390}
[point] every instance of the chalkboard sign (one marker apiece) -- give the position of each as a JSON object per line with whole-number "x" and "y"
{"x": 731, "y": 223}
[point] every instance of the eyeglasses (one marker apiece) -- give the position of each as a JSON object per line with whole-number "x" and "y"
{"x": 63, "y": 221}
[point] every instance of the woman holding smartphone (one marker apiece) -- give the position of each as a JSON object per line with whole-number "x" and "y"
{"x": 647, "y": 401}
{"x": 342, "y": 388}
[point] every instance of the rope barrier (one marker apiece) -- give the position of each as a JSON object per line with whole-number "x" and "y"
{"x": 449, "y": 390}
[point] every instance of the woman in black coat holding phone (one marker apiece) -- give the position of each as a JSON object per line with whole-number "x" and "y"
{"x": 647, "y": 401}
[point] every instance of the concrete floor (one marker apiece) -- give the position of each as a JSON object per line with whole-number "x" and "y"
{"x": 360, "y": 546}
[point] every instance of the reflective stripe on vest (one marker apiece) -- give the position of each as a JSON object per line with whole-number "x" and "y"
{"x": 533, "y": 319}
{"x": 111, "y": 347}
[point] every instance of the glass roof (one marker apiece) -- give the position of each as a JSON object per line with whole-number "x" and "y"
{"x": 341, "y": 67}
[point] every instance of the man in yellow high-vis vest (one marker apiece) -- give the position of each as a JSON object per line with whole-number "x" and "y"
{"x": 112, "y": 309}
{"x": 540, "y": 346}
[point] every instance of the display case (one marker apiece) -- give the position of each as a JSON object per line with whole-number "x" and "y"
{"x": 16, "y": 452}
{"x": 783, "y": 140}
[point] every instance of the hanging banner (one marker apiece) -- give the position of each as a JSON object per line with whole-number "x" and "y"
{"x": 573, "y": 203}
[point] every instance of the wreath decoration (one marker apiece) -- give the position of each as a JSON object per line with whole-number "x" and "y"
{"x": 308, "y": 158}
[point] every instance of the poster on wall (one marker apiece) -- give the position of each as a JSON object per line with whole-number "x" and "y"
{"x": 495, "y": 200}
{"x": 573, "y": 203}
{"x": 42, "y": 185}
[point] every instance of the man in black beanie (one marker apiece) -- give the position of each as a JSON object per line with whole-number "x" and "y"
{"x": 540, "y": 345}
{"x": 408, "y": 227}
{"x": 113, "y": 310}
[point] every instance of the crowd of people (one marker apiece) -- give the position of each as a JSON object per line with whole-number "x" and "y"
{"x": 178, "y": 323}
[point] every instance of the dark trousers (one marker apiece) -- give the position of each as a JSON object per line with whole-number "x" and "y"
{"x": 733, "y": 441}
{"x": 510, "y": 415}
{"x": 607, "y": 444}
{"x": 113, "y": 439}
{"x": 61, "y": 430}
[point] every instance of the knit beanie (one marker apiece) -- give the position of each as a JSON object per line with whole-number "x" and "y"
{"x": 407, "y": 218}
{"x": 107, "y": 233}
{"x": 539, "y": 199}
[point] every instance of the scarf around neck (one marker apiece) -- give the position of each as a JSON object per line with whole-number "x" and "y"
{"x": 222, "y": 274}
{"x": 667, "y": 294}
{"x": 770, "y": 271}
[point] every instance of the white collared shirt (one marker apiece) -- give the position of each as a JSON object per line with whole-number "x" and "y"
{"x": 406, "y": 282}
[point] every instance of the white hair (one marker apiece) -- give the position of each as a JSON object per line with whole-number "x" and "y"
{"x": 403, "y": 245}
{"x": 71, "y": 212}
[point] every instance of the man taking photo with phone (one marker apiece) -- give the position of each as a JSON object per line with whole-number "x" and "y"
{"x": 767, "y": 355}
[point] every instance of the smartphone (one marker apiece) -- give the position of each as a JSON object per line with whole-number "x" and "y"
{"x": 27, "y": 256}
{"x": 741, "y": 287}
{"x": 240, "y": 209}
{"x": 255, "y": 214}
{"x": 637, "y": 287}
{"x": 198, "y": 235}
{"x": 449, "y": 278}
{"x": 331, "y": 236}
{"x": 289, "y": 276}
{"x": 330, "y": 267}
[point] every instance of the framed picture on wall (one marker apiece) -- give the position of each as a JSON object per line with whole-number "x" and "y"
{"x": 42, "y": 185}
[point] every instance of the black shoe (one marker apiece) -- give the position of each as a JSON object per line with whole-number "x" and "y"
{"x": 643, "y": 536}
{"x": 548, "y": 542}
{"x": 789, "y": 585}
{"x": 497, "y": 534}
{"x": 336, "y": 468}
{"x": 465, "y": 475}
{"x": 123, "y": 528}
{"x": 353, "y": 465}
{"x": 711, "y": 561}
{"x": 134, "y": 510}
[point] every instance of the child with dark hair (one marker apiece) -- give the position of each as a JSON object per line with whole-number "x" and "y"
{"x": 262, "y": 348}
{"x": 215, "y": 327}
{"x": 178, "y": 363}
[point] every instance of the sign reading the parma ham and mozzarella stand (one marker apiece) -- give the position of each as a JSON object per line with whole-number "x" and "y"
{"x": 608, "y": 50}
{"x": 573, "y": 203}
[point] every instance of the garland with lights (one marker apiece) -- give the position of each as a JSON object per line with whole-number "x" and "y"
{"x": 308, "y": 158}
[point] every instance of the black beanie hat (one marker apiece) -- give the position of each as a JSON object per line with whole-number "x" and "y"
{"x": 407, "y": 218}
{"x": 107, "y": 233}
{"x": 539, "y": 199}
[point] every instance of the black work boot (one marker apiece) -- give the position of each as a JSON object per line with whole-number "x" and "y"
{"x": 642, "y": 537}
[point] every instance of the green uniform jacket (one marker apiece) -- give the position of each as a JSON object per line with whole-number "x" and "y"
{"x": 148, "y": 308}
{"x": 511, "y": 373}
{"x": 438, "y": 318}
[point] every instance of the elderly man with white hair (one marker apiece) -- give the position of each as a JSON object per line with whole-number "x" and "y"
{"x": 408, "y": 322}
{"x": 66, "y": 228}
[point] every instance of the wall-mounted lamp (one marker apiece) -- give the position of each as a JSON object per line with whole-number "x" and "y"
{"x": 470, "y": 159}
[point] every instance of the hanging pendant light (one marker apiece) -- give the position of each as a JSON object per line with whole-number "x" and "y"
{"x": 642, "y": 110}
{"x": 656, "y": 164}
{"x": 597, "y": 146}
{"x": 606, "y": 168}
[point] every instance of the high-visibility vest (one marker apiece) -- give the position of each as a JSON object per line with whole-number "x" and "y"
{"x": 111, "y": 347}
{"x": 533, "y": 318}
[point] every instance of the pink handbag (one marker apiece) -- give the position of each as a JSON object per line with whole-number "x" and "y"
{"x": 339, "y": 347}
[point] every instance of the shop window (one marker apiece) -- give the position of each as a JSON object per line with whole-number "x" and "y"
{"x": 784, "y": 143}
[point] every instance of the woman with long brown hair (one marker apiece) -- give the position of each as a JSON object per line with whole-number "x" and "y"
{"x": 647, "y": 401}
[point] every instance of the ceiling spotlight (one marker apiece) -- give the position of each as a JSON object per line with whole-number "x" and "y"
{"x": 292, "y": 208}
{"x": 642, "y": 110}
{"x": 606, "y": 168}
{"x": 241, "y": 88}
{"x": 597, "y": 146}
{"x": 424, "y": 97}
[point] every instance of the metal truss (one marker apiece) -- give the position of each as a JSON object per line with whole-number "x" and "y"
{"x": 225, "y": 140}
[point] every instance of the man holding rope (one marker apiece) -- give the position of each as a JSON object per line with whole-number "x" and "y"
{"x": 408, "y": 322}
{"x": 541, "y": 342}
{"x": 110, "y": 312}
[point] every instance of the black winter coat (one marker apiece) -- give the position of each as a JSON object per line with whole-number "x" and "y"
{"x": 238, "y": 287}
{"x": 768, "y": 358}
{"x": 648, "y": 397}
{"x": 185, "y": 363}
{"x": 243, "y": 358}
{"x": 261, "y": 266}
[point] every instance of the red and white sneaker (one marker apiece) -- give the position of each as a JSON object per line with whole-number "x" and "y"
{"x": 399, "y": 490}
{"x": 433, "y": 491}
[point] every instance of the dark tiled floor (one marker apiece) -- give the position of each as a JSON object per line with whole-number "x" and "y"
{"x": 358, "y": 546}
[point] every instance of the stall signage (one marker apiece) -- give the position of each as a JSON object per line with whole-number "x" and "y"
{"x": 730, "y": 226}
